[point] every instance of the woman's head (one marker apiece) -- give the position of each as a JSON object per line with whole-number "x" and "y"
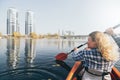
{"x": 101, "y": 41}
{"x": 91, "y": 40}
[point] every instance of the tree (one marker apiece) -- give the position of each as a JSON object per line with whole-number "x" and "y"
{"x": 33, "y": 35}
{"x": 0, "y": 34}
{"x": 16, "y": 34}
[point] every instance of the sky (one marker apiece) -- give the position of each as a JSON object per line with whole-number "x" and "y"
{"x": 51, "y": 16}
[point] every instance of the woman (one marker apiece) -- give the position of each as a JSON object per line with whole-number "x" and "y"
{"x": 98, "y": 58}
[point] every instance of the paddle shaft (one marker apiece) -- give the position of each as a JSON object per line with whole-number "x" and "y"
{"x": 116, "y": 26}
{"x": 77, "y": 47}
{"x": 86, "y": 42}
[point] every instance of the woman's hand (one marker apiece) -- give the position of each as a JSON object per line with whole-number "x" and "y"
{"x": 75, "y": 49}
{"x": 87, "y": 48}
{"x": 109, "y": 31}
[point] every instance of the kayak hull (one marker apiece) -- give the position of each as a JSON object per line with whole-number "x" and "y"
{"x": 115, "y": 73}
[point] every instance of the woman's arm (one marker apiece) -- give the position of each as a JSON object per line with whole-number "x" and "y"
{"x": 78, "y": 55}
{"x": 116, "y": 37}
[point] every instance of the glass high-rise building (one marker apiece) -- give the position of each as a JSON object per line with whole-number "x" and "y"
{"x": 12, "y": 21}
{"x": 29, "y": 22}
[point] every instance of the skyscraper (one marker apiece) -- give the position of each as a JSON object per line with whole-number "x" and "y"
{"x": 12, "y": 21}
{"x": 29, "y": 22}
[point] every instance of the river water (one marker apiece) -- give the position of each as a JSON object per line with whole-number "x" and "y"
{"x": 34, "y": 59}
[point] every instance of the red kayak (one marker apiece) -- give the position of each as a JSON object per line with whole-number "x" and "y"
{"x": 115, "y": 73}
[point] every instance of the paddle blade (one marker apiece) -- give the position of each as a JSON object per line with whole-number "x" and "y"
{"x": 61, "y": 56}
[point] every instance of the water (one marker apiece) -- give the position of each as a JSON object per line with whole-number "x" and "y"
{"x": 33, "y": 59}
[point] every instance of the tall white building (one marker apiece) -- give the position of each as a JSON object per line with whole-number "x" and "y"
{"x": 29, "y": 24}
{"x": 12, "y": 21}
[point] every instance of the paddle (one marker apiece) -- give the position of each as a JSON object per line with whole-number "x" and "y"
{"x": 63, "y": 56}
{"x": 68, "y": 68}
{"x": 63, "y": 64}
{"x": 116, "y": 26}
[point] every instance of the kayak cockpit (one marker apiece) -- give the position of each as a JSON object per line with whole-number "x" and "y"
{"x": 77, "y": 67}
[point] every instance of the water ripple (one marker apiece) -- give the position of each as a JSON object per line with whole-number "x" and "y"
{"x": 32, "y": 73}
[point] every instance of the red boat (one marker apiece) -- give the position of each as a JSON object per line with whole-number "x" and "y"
{"x": 115, "y": 73}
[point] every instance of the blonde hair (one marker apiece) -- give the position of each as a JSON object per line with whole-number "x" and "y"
{"x": 104, "y": 45}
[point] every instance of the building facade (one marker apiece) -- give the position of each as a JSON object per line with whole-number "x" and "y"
{"x": 12, "y": 21}
{"x": 29, "y": 24}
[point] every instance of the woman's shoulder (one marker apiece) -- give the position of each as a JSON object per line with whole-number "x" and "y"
{"x": 93, "y": 51}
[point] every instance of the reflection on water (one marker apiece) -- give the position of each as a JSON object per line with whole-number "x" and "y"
{"x": 34, "y": 59}
{"x": 30, "y": 50}
{"x": 13, "y": 51}
{"x": 65, "y": 43}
